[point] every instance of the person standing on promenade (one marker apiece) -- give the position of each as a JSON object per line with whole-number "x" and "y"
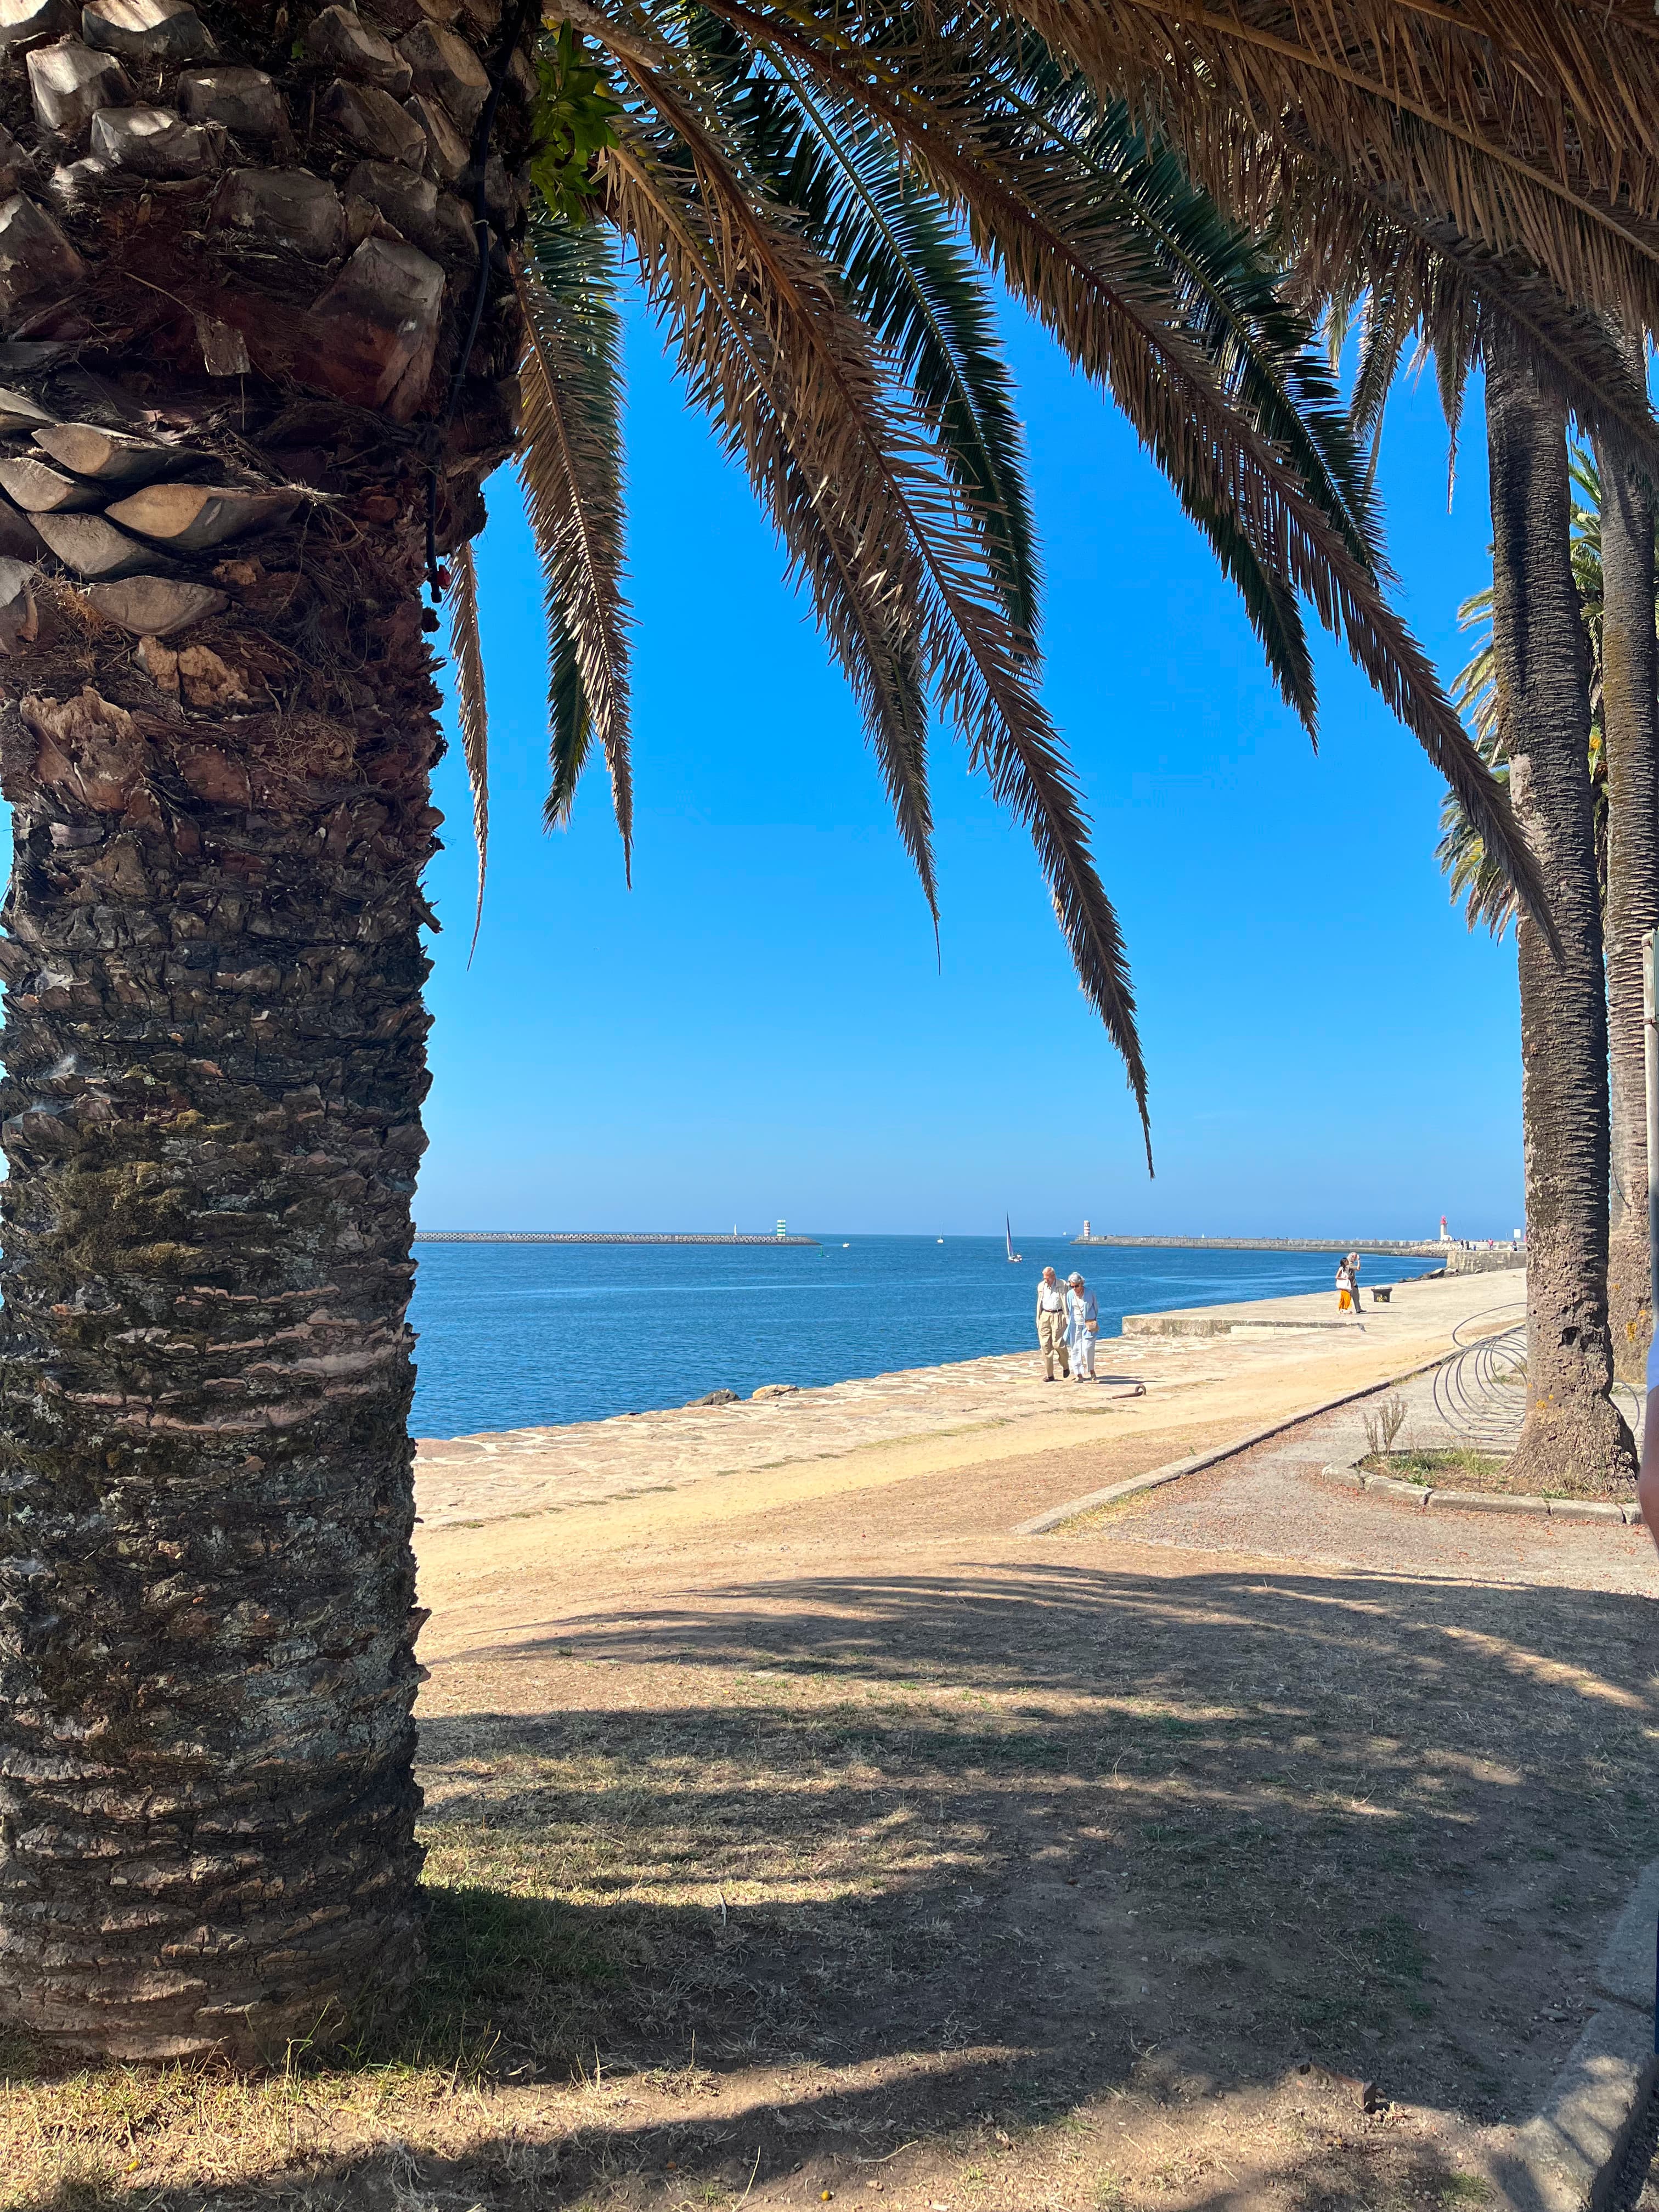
{"x": 1051, "y": 1325}
{"x": 1353, "y": 1278}
{"x": 1647, "y": 1474}
{"x": 1082, "y": 1328}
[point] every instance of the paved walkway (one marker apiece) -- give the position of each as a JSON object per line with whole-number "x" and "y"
{"x": 1274, "y": 1501}
{"x": 1250, "y": 1767}
{"x": 1252, "y": 1364}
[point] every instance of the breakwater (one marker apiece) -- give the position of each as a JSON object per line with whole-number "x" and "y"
{"x": 1421, "y": 1249}
{"x": 595, "y": 1236}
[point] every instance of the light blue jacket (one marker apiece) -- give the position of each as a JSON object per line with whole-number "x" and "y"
{"x": 1080, "y": 1309}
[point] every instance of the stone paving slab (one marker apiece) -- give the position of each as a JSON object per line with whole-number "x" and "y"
{"x": 1566, "y": 2158}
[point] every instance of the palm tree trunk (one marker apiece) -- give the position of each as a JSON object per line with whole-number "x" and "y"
{"x": 214, "y": 1063}
{"x": 1630, "y": 712}
{"x": 1574, "y": 1438}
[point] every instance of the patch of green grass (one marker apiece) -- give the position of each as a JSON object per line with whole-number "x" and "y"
{"x": 1463, "y": 2189}
{"x": 1397, "y": 1949}
{"x": 1478, "y": 1467}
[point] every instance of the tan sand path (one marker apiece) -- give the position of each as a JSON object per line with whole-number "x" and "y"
{"x": 1047, "y": 1856}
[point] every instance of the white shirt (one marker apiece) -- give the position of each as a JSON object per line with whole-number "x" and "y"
{"x": 1051, "y": 1298}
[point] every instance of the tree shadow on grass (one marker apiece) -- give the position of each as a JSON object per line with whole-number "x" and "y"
{"x": 1386, "y": 1819}
{"x": 992, "y": 1858}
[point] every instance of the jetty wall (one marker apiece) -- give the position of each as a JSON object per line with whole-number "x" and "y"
{"x": 1458, "y": 1259}
{"x": 591, "y": 1236}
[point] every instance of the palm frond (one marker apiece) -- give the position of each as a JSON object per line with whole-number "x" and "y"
{"x": 1459, "y": 294}
{"x": 1094, "y": 289}
{"x": 881, "y": 473}
{"x": 1530, "y": 125}
{"x": 723, "y": 322}
{"x": 900, "y": 263}
{"x": 1488, "y": 900}
{"x": 1229, "y": 293}
{"x": 570, "y": 461}
{"x": 906, "y": 275}
{"x": 466, "y": 656}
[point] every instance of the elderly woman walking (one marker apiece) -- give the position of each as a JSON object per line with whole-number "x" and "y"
{"x": 1082, "y": 1329}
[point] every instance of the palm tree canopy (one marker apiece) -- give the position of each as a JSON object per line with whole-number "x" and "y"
{"x": 812, "y": 202}
{"x": 1530, "y": 127}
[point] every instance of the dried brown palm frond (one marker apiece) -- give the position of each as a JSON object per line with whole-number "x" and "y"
{"x": 1062, "y": 253}
{"x": 570, "y": 461}
{"x": 467, "y": 655}
{"x": 1530, "y": 125}
{"x": 1418, "y": 278}
{"x": 792, "y": 377}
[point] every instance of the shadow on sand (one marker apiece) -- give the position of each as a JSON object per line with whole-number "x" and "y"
{"x": 992, "y": 1860}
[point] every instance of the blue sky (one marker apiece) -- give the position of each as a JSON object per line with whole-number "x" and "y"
{"x": 760, "y": 1027}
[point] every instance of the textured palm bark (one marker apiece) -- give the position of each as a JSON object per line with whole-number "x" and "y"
{"x": 1630, "y": 709}
{"x": 1573, "y": 1439}
{"x": 214, "y": 1065}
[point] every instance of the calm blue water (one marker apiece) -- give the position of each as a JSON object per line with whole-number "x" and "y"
{"x": 514, "y": 1335}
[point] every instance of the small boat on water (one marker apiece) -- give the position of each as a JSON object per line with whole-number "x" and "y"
{"x": 1014, "y": 1258}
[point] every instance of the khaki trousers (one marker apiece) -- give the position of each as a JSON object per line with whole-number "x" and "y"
{"x": 1051, "y": 1340}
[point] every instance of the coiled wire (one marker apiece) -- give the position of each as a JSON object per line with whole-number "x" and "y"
{"x": 1480, "y": 1389}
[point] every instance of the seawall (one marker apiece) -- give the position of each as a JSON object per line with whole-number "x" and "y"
{"x": 1397, "y": 1246}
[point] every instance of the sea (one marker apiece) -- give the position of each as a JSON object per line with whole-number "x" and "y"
{"x": 523, "y": 1335}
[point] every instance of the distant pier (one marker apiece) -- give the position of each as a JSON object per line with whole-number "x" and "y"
{"x": 591, "y": 1237}
{"x": 1425, "y": 1249}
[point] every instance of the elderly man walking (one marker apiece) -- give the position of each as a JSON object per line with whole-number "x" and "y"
{"x": 1051, "y": 1324}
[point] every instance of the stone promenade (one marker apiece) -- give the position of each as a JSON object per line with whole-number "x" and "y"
{"x": 1245, "y": 1364}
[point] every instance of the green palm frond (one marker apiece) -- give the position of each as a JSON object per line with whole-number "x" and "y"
{"x": 571, "y": 462}
{"x": 738, "y": 347}
{"x": 905, "y": 272}
{"x": 467, "y": 655}
{"x": 903, "y": 268}
{"x": 1533, "y": 128}
{"x": 859, "y": 436}
{"x": 1098, "y": 289}
{"x": 811, "y": 201}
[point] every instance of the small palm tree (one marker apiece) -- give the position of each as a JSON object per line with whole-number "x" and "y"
{"x": 1621, "y": 778}
{"x": 1488, "y": 899}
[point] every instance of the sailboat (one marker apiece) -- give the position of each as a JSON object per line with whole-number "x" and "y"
{"x": 1014, "y": 1258}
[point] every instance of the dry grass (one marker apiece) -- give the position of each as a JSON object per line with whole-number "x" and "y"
{"x": 1003, "y": 1891}
{"x": 1455, "y": 1467}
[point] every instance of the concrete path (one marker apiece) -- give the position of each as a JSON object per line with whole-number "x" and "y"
{"x": 1249, "y": 1364}
{"x": 1274, "y": 1501}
